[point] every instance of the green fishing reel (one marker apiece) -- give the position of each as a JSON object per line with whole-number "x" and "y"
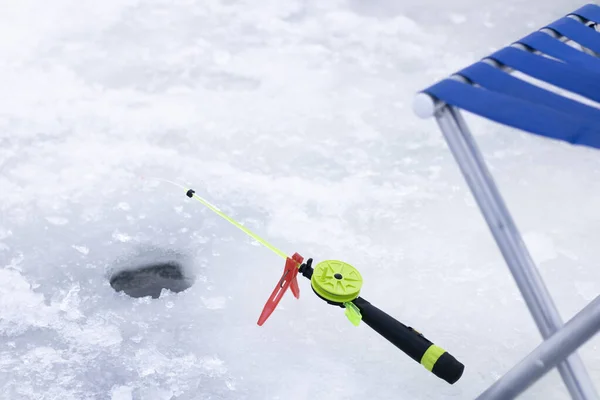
{"x": 338, "y": 283}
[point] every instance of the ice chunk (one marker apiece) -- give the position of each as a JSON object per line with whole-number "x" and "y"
{"x": 121, "y": 393}
{"x": 124, "y": 206}
{"x": 541, "y": 246}
{"x": 94, "y": 333}
{"x": 57, "y": 220}
{"x": 122, "y": 237}
{"x": 588, "y": 290}
{"x": 81, "y": 249}
{"x": 20, "y": 306}
{"x": 214, "y": 303}
{"x": 458, "y": 18}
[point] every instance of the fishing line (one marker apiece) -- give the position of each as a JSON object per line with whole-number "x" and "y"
{"x": 191, "y": 193}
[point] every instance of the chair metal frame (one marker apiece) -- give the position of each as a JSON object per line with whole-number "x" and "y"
{"x": 561, "y": 341}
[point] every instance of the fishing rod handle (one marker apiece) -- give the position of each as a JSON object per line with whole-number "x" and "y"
{"x": 435, "y": 359}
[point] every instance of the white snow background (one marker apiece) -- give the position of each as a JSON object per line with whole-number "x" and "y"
{"x": 295, "y": 117}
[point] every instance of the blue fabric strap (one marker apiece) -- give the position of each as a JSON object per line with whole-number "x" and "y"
{"x": 590, "y": 12}
{"x": 578, "y": 32}
{"x": 555, "y": 48}
{"x": 566, "y": 76}
{"x": 518, "y": 113}
{"x": 499, "y": 81}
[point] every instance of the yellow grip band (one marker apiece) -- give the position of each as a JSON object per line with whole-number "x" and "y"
{"x": 432, "y": 354}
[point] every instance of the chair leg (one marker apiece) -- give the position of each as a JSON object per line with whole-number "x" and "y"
{"x": 547, "y": 355}
{"x": 509, "y": 240}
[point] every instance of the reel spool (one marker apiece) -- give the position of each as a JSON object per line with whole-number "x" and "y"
{"x": 336, "y": 282}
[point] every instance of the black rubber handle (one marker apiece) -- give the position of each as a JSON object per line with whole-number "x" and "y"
{"x": 411, "y": 342}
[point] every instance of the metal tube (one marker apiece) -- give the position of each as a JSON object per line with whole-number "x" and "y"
{"x": 575, "y": 333}
{"x": 511, "y": 244}
{"x": 548, "y": 319}
{"x": 522, "y": 267}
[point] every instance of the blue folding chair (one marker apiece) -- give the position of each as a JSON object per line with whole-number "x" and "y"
{"x": 565, "y": 55}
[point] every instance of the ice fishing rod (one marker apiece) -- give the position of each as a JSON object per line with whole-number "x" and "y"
{"x": 339, "y": 284}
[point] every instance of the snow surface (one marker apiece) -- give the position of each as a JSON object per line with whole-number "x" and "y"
{"x": 295, "y": 117}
